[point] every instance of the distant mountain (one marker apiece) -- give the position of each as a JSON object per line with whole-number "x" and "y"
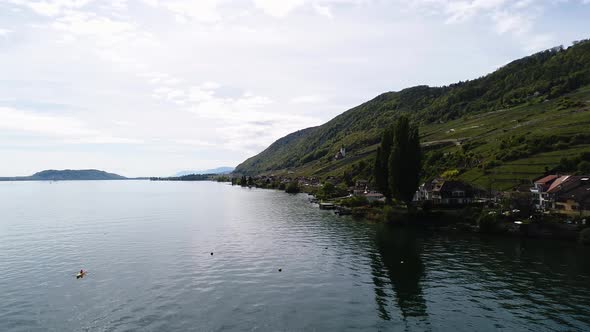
{"x": 218, "y": 170}
{"x": 67, "y": 174}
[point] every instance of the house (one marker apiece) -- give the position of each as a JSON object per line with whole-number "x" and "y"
{"x": 570, "y": 195}
{"x": 539, "y": 191}
{"x": 424, "y": 192}
{"x": 452, "y": 193}
{"x": 360, "y": 188}
{"x": 445, "y": 192}
{"x": 341, "y": 154}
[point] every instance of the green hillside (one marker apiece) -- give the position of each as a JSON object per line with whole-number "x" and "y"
{"x": 500, "y": 130}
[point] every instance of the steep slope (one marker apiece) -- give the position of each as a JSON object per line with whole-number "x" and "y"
{"x": 532, "y": 91}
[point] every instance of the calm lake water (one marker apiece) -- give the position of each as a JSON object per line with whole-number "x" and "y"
{"x": 147, "y": 247}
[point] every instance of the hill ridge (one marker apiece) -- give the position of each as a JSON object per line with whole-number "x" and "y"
{"x": 552, "y": 82}
{"x": 66, "y": 174}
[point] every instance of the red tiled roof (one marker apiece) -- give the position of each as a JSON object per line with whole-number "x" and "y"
{"x": 559, "y": 181}
{"x": 546, "y": 179}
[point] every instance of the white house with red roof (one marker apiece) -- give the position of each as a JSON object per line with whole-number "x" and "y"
{"x": 541, "y": 199}
{"x": 566, "y": 194}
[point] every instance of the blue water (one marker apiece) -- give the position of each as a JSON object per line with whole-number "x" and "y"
{"x": 147, "y": 247}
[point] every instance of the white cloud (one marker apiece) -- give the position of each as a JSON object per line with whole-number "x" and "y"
{"x": 195, "y": 143}
{"x": 235, "y": 75}
{"x": 4, "y": 32}
{"x": 510, "y": 22}
{"x": 459, "y": 11}
{"x": 51, "y": 7}
{"x": 21, "y": 121}
{"x": 323, "y": 10}
{"x": 278, "y": 8}
{"x": 205, "y": 11}
{"x": 515, "y": 18}
{"x": 61, "y": 129}
{"x": 309, "y": 99}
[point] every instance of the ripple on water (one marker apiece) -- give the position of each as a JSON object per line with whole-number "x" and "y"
{"x": 147, "y": 246}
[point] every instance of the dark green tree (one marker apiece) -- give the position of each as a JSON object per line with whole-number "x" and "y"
{"x": 405, "y": 161}
{"x": 243, "y": 181}
{"x": 381, "y": 169}
{"x": 292, "y": 188}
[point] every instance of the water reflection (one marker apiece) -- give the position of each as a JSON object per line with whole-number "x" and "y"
{"x": 398, "y": 264}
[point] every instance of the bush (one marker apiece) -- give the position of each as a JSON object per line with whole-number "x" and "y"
{"x": 585, "y": 236}
{"x": 488, "y": 223}
{"x": 355, "y": 201}
{"x": 388, "y": 213}
{"x": 292, "y": 188}
{"x": 584, "y": 167}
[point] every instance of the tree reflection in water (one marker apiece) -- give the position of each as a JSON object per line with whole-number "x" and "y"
{"x": 398, "y": 263}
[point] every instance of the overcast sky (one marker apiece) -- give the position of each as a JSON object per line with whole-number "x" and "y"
{"x": 148, "y": 87}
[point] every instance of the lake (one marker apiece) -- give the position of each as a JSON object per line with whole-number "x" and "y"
{"x": 147, "y": 247}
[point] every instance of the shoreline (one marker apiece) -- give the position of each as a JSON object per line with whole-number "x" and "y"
{"x": 466, "y": 219}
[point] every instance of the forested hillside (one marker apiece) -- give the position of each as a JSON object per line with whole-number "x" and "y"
{"x": 67, "y": 174}
{"x": 510, "y": 125}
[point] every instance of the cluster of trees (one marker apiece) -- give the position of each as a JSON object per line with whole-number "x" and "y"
{"x": 579, "y": 164}
{"x": 398, "y": 163}
{"x": 190, "y": 177}
{"x": 437, "y": 162}
{"x": 518, "y": 147}
{"x": 244, "y": 181}
{"x": 248, "y": 181}
{"x": 545, "y": 75}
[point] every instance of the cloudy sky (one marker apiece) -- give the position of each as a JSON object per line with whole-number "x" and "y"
{"x": 151, "y": 87}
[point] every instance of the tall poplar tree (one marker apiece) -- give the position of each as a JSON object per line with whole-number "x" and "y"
{"x": 381, "y": 169}
{"x": 405, "y": 161}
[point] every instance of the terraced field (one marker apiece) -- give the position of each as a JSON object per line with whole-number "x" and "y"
{"x": 499, "y": 130}
{"x": 486, "y": 132}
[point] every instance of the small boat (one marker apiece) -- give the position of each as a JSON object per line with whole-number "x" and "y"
{"x": 327, "y": 206}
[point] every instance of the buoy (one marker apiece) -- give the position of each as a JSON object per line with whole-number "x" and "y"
{"x": 280, "y": 270}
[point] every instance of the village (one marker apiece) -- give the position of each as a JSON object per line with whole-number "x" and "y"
{"x": 557, "y": 194}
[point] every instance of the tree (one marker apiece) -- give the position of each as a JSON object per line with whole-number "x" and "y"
{"x": 405, "y": 161}
{"x": 381, "y": 169}
{"x": 327, "y": 190}
{"x": 292, "y": 188}
{"x": 584, "y": 167}
{"x": 243, "y": 181}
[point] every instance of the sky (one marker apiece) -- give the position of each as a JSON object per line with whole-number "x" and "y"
{"x": 152, "y": 87}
